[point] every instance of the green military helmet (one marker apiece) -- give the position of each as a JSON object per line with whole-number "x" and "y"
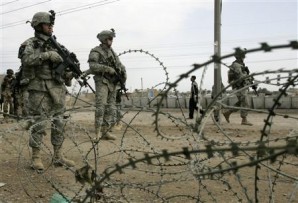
{"x": 41, "y": 17}
{"x": 105, "y": 34}
{"x": 239, "y": 53}
{"x": 9, "y": 72}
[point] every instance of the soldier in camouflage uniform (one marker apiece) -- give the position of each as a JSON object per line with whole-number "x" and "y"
{"x": 20, "y": 94}
{"x": 7, "y": 94}
{"x": 237, "y": 71}
{"x": 46, "y": 93}
{"x": 104, "y": 65}
{"x": 16, "y": 94}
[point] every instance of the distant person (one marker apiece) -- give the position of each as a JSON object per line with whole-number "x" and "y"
{"x": 46, "y": 92}
{"x": 7, "y": 94}
{"x": 237, "y": 77}
{"x": 194, "y": 96}
{"x": 15, "y": 87}
{"x": 107, "y": 69}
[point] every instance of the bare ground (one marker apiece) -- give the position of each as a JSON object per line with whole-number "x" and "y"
{"x": 159, "y": 169}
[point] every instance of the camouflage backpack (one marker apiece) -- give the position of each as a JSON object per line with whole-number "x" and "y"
{"x": 232, "y": 75}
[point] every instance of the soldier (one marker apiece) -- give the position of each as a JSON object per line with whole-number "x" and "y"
{"x": 7, "y": 94}
{"x": 194, "y": 96}
{"x": 237, "y": 71}
{"x": 46, "y": 93}
{"x": 106, "y": 66}
{"x": 15, "y": 88}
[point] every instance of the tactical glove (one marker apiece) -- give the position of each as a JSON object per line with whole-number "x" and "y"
{"x": 68, "y": 75}
{"x": 110, "y": 70}
{"x": 52, "y": 56}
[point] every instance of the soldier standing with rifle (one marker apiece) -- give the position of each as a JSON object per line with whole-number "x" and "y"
{"x": 109, "y": 76}
{"x": 237, "y": 76}
{"x": 46, "y": 92}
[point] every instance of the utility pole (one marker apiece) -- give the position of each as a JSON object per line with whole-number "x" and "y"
{"x": 217, "y": 52}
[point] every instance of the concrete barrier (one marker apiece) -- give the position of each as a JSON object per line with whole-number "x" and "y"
{"x": 258, "y": 102}
{"x": 286, "y": 103}
{"x": 255, "y": 102}
{"x": 294, "y": 102}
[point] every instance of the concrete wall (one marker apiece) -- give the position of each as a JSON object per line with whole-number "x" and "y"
{"x": 260, "y": 102}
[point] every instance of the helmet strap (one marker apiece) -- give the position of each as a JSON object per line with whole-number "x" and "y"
{"x": 38, "y": 28}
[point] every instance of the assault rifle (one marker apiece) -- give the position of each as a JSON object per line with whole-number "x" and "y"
{"x": 69, "y": 61}
{"x": 251, "y": 79}
{"x": 118, "y": 77}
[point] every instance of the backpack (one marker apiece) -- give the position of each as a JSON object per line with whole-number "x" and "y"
{"x": 232, "y": 75}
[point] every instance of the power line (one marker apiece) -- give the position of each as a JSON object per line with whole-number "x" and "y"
{"x": 64, "y": 12}
{"x": 25, "y": 7}
{"x": 8, "y": 3}
{"x": 88, "y": 6}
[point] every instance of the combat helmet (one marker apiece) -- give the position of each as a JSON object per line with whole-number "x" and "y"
{"x": 105, "y": 34}
{"x": 239, "y": 53}
{"x": 43, "y": 17}
{"x": 9, "y": 72}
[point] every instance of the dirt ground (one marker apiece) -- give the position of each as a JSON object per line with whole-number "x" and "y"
{"x": 155, "y": 159}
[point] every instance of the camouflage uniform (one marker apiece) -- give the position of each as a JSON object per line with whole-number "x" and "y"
{"x": 16, "y": 92}
{"x": 241, "y": 95}
{"x": 24, "y": 100}
{"x": 47, "y": 94}
{"x": 6, "y": 93}
{"x": 101, "y": 60}
{"x": 237, "y": 72}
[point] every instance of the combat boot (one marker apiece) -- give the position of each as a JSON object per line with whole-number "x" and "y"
{"x": 227, "y": 116}
{"x": 98, "y": 133}
{"x": 36, "y": 159}
{"x": 118, "y": 126}
{"x": 60, "y": 160}
{"x": 245, "y": 122}
{"x": 107, "y": 135}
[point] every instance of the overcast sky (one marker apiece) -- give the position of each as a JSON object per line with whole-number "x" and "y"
{"x": 178, "y": 32}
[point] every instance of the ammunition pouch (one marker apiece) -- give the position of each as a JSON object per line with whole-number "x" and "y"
{"x": 58, "y": 73}
{"x": 111, "y": 78}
